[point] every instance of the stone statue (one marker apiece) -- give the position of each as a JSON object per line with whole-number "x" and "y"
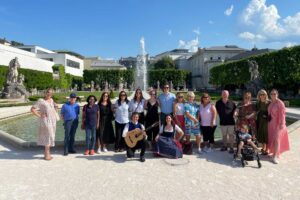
{"x": 255, "y": 83}
{"x": 106, "y": 86}
{"x": 171, "y": 85}
{"x": 253, "y": 69}
{"x": 12, "y": 76}
{"x": 14, "y": 88}
{"x": 158, "y": 85}
{"x": 92, "y": 86}
{"x": 21, "y": 79}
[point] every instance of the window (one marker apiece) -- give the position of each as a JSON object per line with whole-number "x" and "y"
{"x": 50, "y": 59}
{"x": 219, "y": 58}
{"x": 211, "y": 58}
{"x": 71, "y": 63}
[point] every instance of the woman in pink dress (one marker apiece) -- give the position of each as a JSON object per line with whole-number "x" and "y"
{"x": 278, "y": 141}
{"x": 45, "y": 110}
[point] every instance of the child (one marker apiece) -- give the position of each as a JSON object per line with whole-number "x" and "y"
{"x": 244, "y": 136}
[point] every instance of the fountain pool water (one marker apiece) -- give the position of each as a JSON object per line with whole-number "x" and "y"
{"x": 25, "y": 127}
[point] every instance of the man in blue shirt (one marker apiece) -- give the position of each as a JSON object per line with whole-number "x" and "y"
{"x": 69, "y": 113}
{"x": 166, "y": 100}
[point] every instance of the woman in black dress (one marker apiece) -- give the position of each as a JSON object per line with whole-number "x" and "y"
{"x": 152, "y": 116}
{"x": 105, "y": 133}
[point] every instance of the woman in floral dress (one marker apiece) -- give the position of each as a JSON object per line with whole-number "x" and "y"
{"x": 45, "y": 110}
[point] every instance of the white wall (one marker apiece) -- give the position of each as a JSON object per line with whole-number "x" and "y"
{"x": 60, "y": 58}
{"x": 26, "y": 59}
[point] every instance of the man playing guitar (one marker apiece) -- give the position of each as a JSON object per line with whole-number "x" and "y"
{"x": 134, "y": 124}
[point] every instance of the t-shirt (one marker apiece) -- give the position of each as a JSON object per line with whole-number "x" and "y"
{"x": 225, "y": 111}
{"x": 91, "y": 115}
{"x": 70, "y": 111}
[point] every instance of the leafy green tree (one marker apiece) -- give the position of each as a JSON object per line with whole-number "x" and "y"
{"x": 165, "y": 63}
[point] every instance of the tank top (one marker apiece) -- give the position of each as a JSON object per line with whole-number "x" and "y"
{"x": 206, "y": 114}
{"x": 179, "y": 109}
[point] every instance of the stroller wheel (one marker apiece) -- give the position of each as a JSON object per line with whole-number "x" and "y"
{"x": 259, "y": 164}
{"x": 243, "y": 162}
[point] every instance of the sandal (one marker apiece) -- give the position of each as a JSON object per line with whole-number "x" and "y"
{"x": 263, "y": 152}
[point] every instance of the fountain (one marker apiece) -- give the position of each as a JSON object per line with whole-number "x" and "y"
{"x": 141, "y": 68}
{"x": 141, "y": 79}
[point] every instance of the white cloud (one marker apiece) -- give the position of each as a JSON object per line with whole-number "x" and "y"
{"x": 229, "y": 10}
{"x": 211, "y": 22}
{"x": 290, "y": 44}
{"x": 169, "y": 32}
{"x": 197, "y": 31}
{"x": 251, "y": 36}
{"x": 191, "y": 45}
{"x": 264, "y": 22}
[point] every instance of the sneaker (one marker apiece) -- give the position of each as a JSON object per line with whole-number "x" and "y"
{"x": 65, "y": 153}
{"x": 86, "y": 152}
{"x": 104, "y": 149}
{"x": 231, "y": 150}
{"x": 142, "y": 159}
{"x": 99, "y": 151}
{"x": 239, "y": 156}
{"x": 205, "y": 149}
{"x": 199, "y": 151}
{"x": 224, "y": 148}
{"x": 275, "y": 160}
{"x": 72, "y": 151}
{"x": 92, "y": 152}
{"x": 208, "y": 150}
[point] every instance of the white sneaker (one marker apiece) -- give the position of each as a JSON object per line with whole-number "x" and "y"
{"x": 275, "y": 160}
{"x": 205, "y": 149}
{"x": 199, "y": 151}
{"x": 104, "y": 149}
{"x": 99, "y": 151}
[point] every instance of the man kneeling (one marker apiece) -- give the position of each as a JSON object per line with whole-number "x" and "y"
{"x": 134, "y": 124}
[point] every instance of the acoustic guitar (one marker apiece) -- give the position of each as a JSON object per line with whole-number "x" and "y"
{"x": 136, "y": 135}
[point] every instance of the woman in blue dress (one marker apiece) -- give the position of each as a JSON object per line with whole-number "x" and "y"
{"x": 168, "y": 144}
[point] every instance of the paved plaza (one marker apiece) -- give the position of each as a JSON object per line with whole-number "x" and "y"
{"x": 25, "y": 175}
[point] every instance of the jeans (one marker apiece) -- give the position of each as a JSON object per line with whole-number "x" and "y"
{"x": 70, "y": 131}
{"x": 120, "y": 143}
{"x": 90, "y": 137}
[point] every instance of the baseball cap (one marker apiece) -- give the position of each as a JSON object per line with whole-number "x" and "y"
{"x": 73, "y": 95}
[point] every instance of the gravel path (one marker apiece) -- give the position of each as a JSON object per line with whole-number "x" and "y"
{"x": 24, "y": 175}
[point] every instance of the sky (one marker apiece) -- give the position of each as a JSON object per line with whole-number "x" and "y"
{"x": 112, "y": 29}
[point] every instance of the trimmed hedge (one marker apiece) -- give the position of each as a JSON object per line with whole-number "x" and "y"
{"x": 178, "y": 77}
{"x": 42, "y": 80}
{"x": 279, "y": 69}
{"x": 111, "y": 76}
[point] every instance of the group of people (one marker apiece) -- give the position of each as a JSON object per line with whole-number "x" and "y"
{"x": 179, "y": 120}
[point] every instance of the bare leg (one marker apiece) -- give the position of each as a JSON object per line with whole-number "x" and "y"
{"x": 47, "y": 155}
{"x": 188, "y": 138}
{"x": 198, "y": 141}
{"x": 241, "y": 144}
{"x": 252, "y": 144}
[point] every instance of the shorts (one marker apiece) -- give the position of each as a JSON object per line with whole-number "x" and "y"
{"x": 192, "y": 129}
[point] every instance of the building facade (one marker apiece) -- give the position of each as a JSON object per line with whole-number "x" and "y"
{"x": 206, "y": 58}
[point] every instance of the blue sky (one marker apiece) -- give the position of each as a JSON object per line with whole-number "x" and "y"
{"x": 113, "y": 28}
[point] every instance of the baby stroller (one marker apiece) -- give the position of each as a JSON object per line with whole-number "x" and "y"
{"x": 248, "y": 153}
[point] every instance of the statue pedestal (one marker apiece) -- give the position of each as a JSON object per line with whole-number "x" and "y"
{"x": 254, "y": 86}
{"x": 14, "y": 91}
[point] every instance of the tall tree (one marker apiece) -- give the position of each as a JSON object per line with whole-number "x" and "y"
{"x": 165, "y": 63}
